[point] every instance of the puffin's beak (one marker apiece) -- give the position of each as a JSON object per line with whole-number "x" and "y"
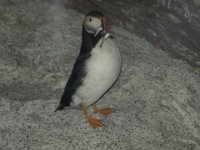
{"x": 105, "y": 25}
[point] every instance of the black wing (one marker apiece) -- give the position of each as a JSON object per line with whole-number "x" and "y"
{"x": 74, "y": 81}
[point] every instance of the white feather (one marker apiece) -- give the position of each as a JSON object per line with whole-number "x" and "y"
{"x": 103, "y": 68}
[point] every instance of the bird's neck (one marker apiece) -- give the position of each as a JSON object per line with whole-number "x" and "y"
{"x": 90, "y": 40}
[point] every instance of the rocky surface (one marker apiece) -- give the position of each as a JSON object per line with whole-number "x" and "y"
{"x": 172, "y": 25}
{"x": 156, "y": 101}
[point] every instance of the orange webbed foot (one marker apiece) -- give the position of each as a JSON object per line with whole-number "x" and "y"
{"x": 95, "y": 123}
{"x": 103, "y": 111}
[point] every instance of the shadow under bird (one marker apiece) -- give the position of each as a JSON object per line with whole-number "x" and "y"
{"x": 96, "y": 69}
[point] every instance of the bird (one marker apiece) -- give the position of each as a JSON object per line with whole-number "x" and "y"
{"x": 95, "y": 70}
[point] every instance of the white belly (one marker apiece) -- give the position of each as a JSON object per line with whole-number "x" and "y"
{"x": 103, "y": 68}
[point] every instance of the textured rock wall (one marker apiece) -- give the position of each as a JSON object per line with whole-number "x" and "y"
{"x": 173, "y": 25}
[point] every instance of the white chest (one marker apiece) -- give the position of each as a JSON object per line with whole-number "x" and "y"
{"x": 103, "y": 68}
{"x": 105, "y": 61}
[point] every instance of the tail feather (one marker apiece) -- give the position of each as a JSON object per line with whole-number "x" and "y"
{"x": 60, "y": 107}
{"x": 65, "y": 100}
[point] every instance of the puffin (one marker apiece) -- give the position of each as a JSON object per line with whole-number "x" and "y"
{"x": 95, "y": 70}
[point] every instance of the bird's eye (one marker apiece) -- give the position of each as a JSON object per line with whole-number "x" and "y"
{"x": 90, "y": 19}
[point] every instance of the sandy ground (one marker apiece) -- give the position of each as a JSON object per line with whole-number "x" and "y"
{"x": 156, "y": 102}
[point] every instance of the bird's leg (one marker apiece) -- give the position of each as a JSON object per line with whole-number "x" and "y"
{"x": 95, "y": 123}
{"x": 103, "y": 111}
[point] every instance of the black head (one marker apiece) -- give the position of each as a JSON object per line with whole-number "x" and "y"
{"x": 95, "y": 13}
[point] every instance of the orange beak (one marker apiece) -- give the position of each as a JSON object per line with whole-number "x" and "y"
{"x": 105, "y": 25}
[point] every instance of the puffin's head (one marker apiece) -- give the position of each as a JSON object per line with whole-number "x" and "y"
{"x": 95, "y": 21}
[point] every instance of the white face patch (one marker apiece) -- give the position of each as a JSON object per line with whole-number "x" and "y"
{"x": 92, "y": 24}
